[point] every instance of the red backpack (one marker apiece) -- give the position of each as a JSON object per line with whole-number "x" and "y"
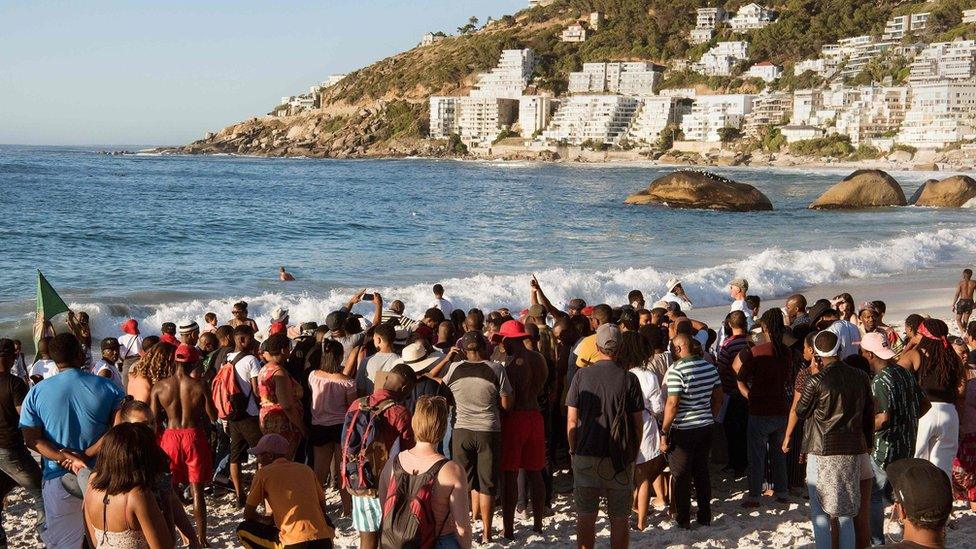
{"x": 408, "y": 512}
{"x": 230, "y": 401}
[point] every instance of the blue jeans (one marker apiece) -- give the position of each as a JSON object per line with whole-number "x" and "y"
{"x": 763, "y": 432}
{"x": 880, "y": 497}
{"x": 447, "y": 541}
{"x": 820, "y": 519}
{"x": 18, "y": 468}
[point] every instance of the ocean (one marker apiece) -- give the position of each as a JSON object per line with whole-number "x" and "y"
{"x": 168, "y": 238}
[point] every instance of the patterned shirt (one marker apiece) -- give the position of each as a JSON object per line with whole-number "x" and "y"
{"x": 897, "y": 393}
{"x": 692, "y": 379}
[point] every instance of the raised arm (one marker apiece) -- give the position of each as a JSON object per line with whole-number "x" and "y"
{"x": 541, "y": 297}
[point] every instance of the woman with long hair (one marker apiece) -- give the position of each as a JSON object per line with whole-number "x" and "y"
{"x": 332, "y": 394}
{"x": 158, "y": 363}
{"x": 940, "y": 376}
{"x": 634, "y": 355}
{"x": 120, "y": 504}
{"x": 844, "y": 303}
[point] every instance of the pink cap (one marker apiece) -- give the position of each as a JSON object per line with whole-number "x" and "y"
{"x": 272, "y": 444}
{"x": 877, "y": 343}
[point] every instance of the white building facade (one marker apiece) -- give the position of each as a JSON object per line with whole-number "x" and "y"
{"x": 711, "y": 113}
{"x": 941, "y": 113}
{"x": 592, "y": 118}
{"x": 722, "y": 58}
{"x": 624, "y": 77}
{"x": 535, "y": 113}
{"x": 655, "y": 114}
{"x": 509, "y": 78}
{"x": 750, "y": 17}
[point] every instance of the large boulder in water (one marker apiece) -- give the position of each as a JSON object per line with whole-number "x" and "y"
{"x": 701, "y": 190}
{"x": 862, "y": 189}
{"x": 951, "y": 192}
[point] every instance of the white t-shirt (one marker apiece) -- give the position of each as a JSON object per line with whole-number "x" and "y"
{"x": 848, "y": 335}
{"x": 103, "y": 365}
{"x": 44, "y": 368}
{"x": 246, "y": 368}
{"x": 682, "y": 302}
{"x": 442, "y": 304}
{"x": 129, "y": 346}
{"x": 741, "y": 305}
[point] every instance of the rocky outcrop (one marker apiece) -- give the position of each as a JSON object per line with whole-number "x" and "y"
{"x": 701, "y": 190}
{"x": 951, "y": 192}
{"x": 918, "y": 191}
{"x": 862, "y": 189}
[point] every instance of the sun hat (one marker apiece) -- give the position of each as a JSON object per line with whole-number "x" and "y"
{"x": 278, "y": 314}
{"x": 418, "y": 357}
{"x": 271, "y": 444}
{"x": 672, "y": 282}
{"x": 877, "y": 343}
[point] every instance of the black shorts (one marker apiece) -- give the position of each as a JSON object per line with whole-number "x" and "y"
{"x": 479, "y": 454}
{"x": 964, "y": 306}
{"x": 320, "y": 435}
{"x": 244, "y": 433}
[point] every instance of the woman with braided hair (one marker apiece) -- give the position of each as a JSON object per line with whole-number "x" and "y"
{"x": 940, "y": 376}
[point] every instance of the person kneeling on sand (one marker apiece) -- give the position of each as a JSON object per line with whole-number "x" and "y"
{"x": 298, "y": 515}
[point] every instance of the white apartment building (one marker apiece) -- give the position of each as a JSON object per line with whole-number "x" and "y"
{"x": 444, "y": 113}
{"x": 482, "y": 118}
{"x": 942, "y": 61}
{"x": 509, "y": 78}
{"x": 765, "y": 70}
{"x": 430, "y": 38}
{"x": 722, "y": 58}
{"x": 941, "y": 113}
{"x": 655, "y": 114}
{"x": 623, "y": 77}
{"x": 700, "y": 36}
{"x": 535, "y": 112}
{"x": 897, "y": 27}
{"x": 332, "y": 80}
{"x": 768, "y": 109}
{"x": 863, "y": 53}
{"x": 969, "y": 16}
{"x": 871, "y": 111}
{"x": 573, "y": 33}
{"x": 596, "y": 118}
{"x": 800, "y": 133}
{"x": 540, "y": 3}
{"x": 710, "y": 113}
{"x": 751, "y": 16}
{"x": 706, "y": 21}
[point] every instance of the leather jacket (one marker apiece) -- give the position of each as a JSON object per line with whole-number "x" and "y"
{"x": 838, "y": 410}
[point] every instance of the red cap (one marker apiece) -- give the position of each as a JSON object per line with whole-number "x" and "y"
{"x": 277, "y": 328}
{"x": 187, "y": 353}
{"x": 169, "y": 338}
{"x": 587, "y": 311}
{"x": 512, "y": 329}
{"x": 131, "y": 327}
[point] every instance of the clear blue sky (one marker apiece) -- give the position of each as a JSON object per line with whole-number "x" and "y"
{"x": 164, "y": 73}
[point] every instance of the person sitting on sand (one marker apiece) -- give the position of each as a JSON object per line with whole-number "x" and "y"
{"x": 284, "y": 275}
{"x": 923, "y": 502}
{"x": 962, "y": 301}
{"x": 189, "y": 409}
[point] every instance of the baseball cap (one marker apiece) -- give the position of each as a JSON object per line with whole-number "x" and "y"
{"x": 110, "y": 343}
{"x": 512, "y": 329}
{"x": 877, "y": 343}
{"x": 187, "y": 353}
{"x": 308, "y": 327}
{"x": 131, "y": 327}
{"x": 335, "y": 320}
{"x": 188, "y": 327}
{"x": 577, "y": 304}
{"x": 7, "y": 347}
{"x": 608, "y": 337}
{"x": 672, "y": 282}
{"x": 867, "y": 306}
{"x": 922, "y": 489}
{"x": 537, "y": 311}
{"x": 473, "y": 341}
{"x": 740, "y": 283}
{"x": 271, "y": 444}
{"x": 586, "y": 311}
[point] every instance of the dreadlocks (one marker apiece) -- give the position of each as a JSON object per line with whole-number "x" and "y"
{"x": 772, "y": 322}
{"x": 937, "y": 358}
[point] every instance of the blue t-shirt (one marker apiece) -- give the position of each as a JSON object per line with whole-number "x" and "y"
{"x": 74, "y": 408}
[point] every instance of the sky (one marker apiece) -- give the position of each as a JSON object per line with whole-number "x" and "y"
{"x": 165, "y": 73}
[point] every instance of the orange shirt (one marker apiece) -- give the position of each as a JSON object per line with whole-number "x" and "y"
{"x": 294, "y": 497}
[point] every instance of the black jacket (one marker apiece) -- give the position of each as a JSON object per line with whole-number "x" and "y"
{"x": 839, "y": 412}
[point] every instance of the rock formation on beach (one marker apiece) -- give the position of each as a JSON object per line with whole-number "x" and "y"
{"x": 701, "y": 190}
{"x": 951, "y": 192}
{"x": 862, "y": 189}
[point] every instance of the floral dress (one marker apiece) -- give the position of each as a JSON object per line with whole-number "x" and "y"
{"x": 273, "y": 417}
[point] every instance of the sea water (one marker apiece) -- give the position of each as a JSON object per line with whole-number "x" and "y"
{"x": 168, "y": 238}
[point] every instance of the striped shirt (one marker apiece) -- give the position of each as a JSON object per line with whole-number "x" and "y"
{"x": 692, "y": 380}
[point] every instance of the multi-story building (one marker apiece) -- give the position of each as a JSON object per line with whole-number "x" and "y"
{"x": 800, "y": 133}
{"x": 509, "y": 78}
{"x": 765, "y": 70}
{"x": 444, "y": 113}
{"x": 940, "y": 113}
{"x": 942, "y": 61}
{"x": 862, "y": 54}
{"x": 430, "y": 38}
{"x": 573, "y": 33}
{"x": 705, "y": 23}
{"x": 711, "y": 113}
{"x": 871, "y": 112}
{"x": 623, "y": 77}
{"x": 751, "y": 16}
{"x": 700, "y": 36}
{"x": 482, "y": 118}
{"x": 897, "y": 27}
{"x": 535, "y": 112}
{"x": 593, "y": 118}
{"x": 540, "y": 3}
{"x": 806, "y": 104}
{"x": 969, "y": 16}
{"x": 722, "y": 58}
{"x": 332, "y": 80}
{"x": 768, "y": 109}
{"x": 655, "y": 114}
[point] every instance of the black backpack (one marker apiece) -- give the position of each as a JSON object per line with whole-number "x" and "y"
{"x": 623, "y": 452}
{"x": 408, "y": 512}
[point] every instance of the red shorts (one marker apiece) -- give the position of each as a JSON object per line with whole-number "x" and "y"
{"x": 523, "y": 441}
{"x": 190, "y": 457}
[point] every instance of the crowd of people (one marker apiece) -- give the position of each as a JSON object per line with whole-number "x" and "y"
{"x": 422, "y": 427}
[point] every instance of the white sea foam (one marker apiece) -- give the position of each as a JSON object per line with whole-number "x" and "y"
{"x": 771, "y": 273}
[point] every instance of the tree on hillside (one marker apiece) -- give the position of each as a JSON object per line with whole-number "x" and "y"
{"x": 470, "y": 27}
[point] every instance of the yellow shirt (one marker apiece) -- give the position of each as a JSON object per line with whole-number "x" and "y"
{"x": 586, "y": 352}
{"x": 294, "y": 497}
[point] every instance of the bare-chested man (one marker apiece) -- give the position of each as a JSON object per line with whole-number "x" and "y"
{"x": 962, "y": 302}
{"x": 188, "y": 407}
{"x": 284, "y": 275}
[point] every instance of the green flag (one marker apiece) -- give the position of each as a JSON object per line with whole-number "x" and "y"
{"x": 49, "y": 303}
